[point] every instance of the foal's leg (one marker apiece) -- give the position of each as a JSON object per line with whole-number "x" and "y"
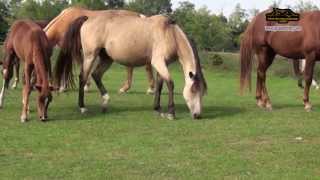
{"x": 150, "y": 79}
{"x": 102, "y": 67}
{"x": 7, "y": 75}
{"x": 265, "y": 57}
{"x": 127, "y": 84}
{"x": 16, "y": 68}
{"x": 160, "y": 65}
{"x": 308, "y": 74}
{"x": 26, "y": 92}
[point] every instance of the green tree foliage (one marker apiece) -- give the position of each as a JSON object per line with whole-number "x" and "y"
{"x": 238, "y": 22}
{"x": 91, "y": 4}
{"x": 4, "y": 13}
{"x": 210, "y": 31}
{"x": 149, "y": 7}
{"x": 114, "y": 4}
{"x": 37, "y": 10}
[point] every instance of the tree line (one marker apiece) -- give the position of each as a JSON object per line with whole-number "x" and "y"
{"x": 212, "y": 32}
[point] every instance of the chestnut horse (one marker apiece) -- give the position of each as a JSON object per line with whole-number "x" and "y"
{"x": 133, "y": 41}
{"x": 57, "y": 28}
{"x": 297, "y": 44}
{"x": 28, "y": 42}
{"x": 16, "y": 65}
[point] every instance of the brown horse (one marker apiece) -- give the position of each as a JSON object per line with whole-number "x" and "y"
{"x": 28, "y": 42}
{"x": 304, "y": 42}
{"x": 57, "y": 28}
{"x": 16, "y": 65}
{"x": 133, "y": 41}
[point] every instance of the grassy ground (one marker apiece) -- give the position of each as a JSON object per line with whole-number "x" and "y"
{"x": 234, "y": 140}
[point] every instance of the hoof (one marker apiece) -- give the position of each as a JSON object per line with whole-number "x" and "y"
{"x": 86, "y": 88}
{"x": 14, "y": 87}
{"x": 150, "y": 91}
{"x": 308, "y": 107}
{"x": 122, "y": 91}
{"x": 269, "y": 107}
{"x": 171, "y": 117}
{"x": 43, "y": 119}
{"x": 23, "y": 119}
{"x": 62, "y": 90}
{"x": 260, "y": 104}
{"x": 163, "y": 115}
{"x": 83, "y": 110}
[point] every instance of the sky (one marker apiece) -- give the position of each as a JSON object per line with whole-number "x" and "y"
{"x": 227, "y": 6}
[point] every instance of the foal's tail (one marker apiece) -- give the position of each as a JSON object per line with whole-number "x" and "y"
{"x": 70, "y": 51}
{"x": 246, "y": 56}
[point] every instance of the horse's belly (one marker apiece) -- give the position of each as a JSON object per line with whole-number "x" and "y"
{"x": 129, "y": 53}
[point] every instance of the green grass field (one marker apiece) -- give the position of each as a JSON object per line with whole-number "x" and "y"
{"x": 234, "y": 140}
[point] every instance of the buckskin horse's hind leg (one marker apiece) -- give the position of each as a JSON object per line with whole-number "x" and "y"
{"x": 265, "y": 58}
{"x": 127, "y": 84}
{"x": 157, "y": 94}
{"x": 104, "y": 64}
{"x": 87, "y": 66}
{"x": 308, "y": 74}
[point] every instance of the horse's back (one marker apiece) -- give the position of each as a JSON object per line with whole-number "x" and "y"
{"x": 127, "y": 38}
{"x": 25, "y": 35}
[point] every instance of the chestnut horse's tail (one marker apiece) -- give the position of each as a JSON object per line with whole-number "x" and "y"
{"x": 70, "y": 51}
{"x": 246, "y": 56}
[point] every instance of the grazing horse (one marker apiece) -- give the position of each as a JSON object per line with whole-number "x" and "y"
{"x": 134, "y": 41}
{"x": 299, "y": 67}
{"x": 57, "y": 28}
{"x": 16, "y": 65}
{"x": 294, "y": 44}
{"x": 28, "y": 42}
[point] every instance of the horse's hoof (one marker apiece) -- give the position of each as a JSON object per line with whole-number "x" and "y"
{"x": 308, "y": 107}
{"x": 43, "y": 119}
{"x": 260, "y": 104}
{"x": 122, "y": 91}
{"x": 163, "y": 115}
{"x": 23, "y": 119}
{"x": 86, "y": 88}
{"x": 171, "y": 117}
{"x": 269, "y": 107}
{"x": 83, "y": 110}
{"x": 150, "y": 91}
{"x": 62, "y": 90}
{"x": 14, "y": 87}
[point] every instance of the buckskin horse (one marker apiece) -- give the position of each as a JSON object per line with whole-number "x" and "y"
{"x": 299, "y": 44}
{"x": 133, "y": 41}
{"x": 27, "y": 42}
{"x": 57, "y": 28}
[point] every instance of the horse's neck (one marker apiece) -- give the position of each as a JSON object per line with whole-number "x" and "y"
{"x": 185, "y": 52}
